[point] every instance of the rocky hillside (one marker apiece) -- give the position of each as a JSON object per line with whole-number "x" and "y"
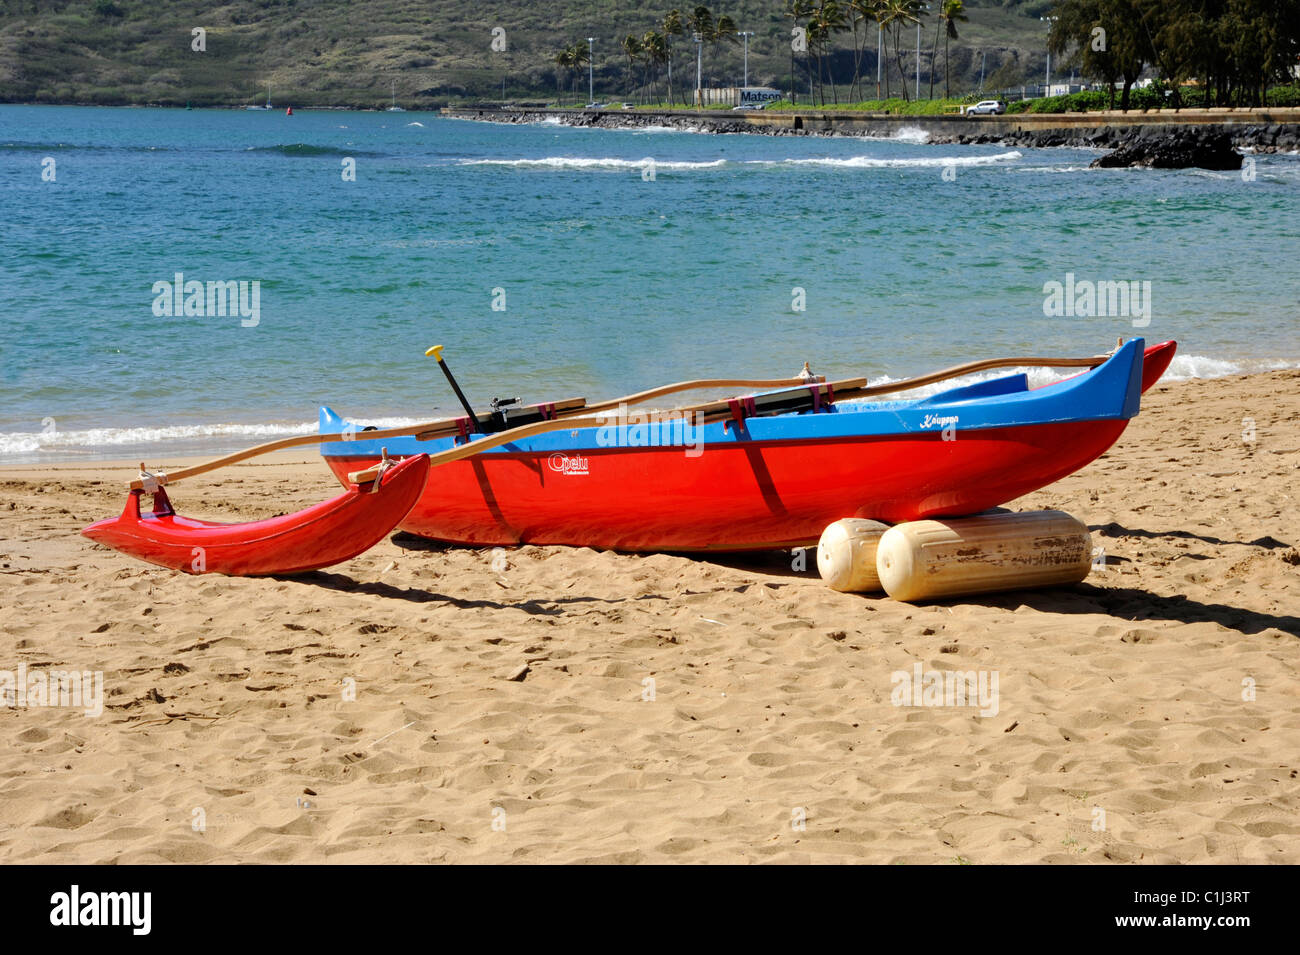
{"x": 432, "y": 52}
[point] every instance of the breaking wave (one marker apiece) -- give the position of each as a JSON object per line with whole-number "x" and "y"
{"x": 873, "y": 162}
{"x": 610, "y": 163}
{"x": 851, "y": 162}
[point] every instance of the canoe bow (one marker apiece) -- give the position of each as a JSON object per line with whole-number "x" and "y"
{"x": 319, "y": 536}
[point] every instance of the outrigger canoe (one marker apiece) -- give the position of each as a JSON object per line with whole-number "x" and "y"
{"x": 324, "y": 534}
{"x": 771, "y": 470}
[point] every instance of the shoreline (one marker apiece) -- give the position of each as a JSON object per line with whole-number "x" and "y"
{"x": 189, "y": 451}
{"x": 1262, "y": 129}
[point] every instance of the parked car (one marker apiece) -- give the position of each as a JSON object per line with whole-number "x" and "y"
{"x": 629, "y": 105}
{"x": 748, "y": 106}
{"x": 986, "y": 106}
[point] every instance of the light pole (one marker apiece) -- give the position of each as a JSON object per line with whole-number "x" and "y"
{"x": 699, "y": 69}
{"x": 591, "y": 88}
{"x": 918, "y": 58}
{"x": 1047, "y": 91}
{"x": 880, "y": 32}
{"x": 924, "y": 6}
{"x": 746, "y": 34}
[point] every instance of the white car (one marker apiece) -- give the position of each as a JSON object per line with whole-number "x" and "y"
{"x": 986, "y": 106}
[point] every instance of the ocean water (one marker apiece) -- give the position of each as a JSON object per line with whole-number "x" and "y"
{"x": 553, "y": 262}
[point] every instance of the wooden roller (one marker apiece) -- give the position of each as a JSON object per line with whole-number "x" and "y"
{"x": 846, "y": 555}
{"x": 971, "y": 555}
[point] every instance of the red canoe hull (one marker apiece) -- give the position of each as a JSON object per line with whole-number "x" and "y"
{"x": 327, "y": 533}
{"x": 774, "y": 491}
{"x": 759, "y": 496}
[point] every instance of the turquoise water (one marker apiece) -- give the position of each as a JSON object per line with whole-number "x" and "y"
{"x": 910, "y": 257}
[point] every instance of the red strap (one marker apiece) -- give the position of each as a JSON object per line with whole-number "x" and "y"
{"x": 817, "y": 395}
{"x": 548, "y": 412}
{"x": 741, "y": 408}
{"x": 465, "y": 426}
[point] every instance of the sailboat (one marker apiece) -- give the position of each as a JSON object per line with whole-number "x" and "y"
{"x": 268, "y": 99}
{"x": 395, "y": 108}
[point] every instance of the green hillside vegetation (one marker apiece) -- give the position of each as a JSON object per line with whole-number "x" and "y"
{"x": 437, "y": 52}
{"x": 336, "y": 52}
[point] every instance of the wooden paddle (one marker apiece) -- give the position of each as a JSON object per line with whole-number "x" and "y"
{"x": 714, "y": 411}
{"x": 846, "y": 388}
{"x": 444, "y": 427}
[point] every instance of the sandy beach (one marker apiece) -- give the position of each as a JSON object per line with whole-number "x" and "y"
{"x": 673, "y": 709}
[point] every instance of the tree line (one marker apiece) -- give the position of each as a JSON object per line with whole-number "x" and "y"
{"x": 653, "y": 50}
{"x": 816, "y": 25}
{"x": 1233, "y": 50}
{"x": 822, "y": 20}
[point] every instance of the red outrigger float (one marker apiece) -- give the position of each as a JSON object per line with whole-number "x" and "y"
{"x": 327, "y": 533}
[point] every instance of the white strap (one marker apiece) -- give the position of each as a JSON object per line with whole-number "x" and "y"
{"x": 152, "y": 482}
{"x": 384, "y": 464}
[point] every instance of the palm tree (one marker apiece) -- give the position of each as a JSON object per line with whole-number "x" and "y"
{"x": 672, "y": 27}
{"x": 796, "y": 10}
{"x": 951, "y": 13}
{"x": 654, "y": 47}
{"x": 581, "y": 54}
{"x": 895, "y": 15}
{"x": 826, "y": 21}
{"x": 701, "y": 24}
{"x": 572, "y": 58}
{"x": 711, "y": 30}
{"x": 564, "y": 60}
{"x": 860, "y": 12}
{"x": 632, "y": 48}
{"x": 724, "y": 31}
{"x": 879, "y": 10}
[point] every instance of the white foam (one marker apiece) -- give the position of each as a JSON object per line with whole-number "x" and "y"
{"x": 26, "y": 442}
{"x": 421, "y": 125}
{"x": 1184, "y": 367}
{"x": 911, "y": 134}
{"x": 851, "y": 162}
{"x": 604, "y": 162}
{"x": 1037, "y": 378}
{"x": 1066, "y": 168}
{"x": 29, "y": 442}
{"x": 663, "y": 129}
{"x": 872, "y": 162}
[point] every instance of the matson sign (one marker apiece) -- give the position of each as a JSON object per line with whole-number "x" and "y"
{"x": 740, "y": 95}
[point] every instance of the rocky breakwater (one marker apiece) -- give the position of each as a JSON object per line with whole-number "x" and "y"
{"x": 1176, "y": 147}
{"x": 1154, "y": 140}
